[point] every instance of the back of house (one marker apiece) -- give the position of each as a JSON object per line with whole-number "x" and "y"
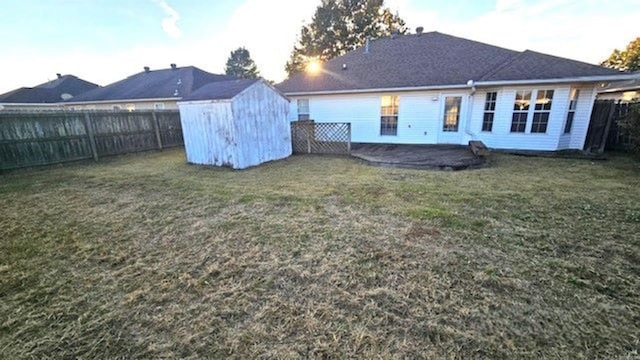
{"x": 433, "y": 88}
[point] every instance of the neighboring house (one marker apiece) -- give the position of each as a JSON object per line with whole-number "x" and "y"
{"x": 47, "y": 95}
{"x": 149, "y": 89}
{"x": 236, "y": 123}
{"x": 623, "y": 91}
{"x": 433, "y": 88}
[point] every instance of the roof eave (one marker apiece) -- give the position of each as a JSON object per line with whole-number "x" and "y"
{"x": 209, "y": 101}
{"x": 89, "y": 102}
{"x": 579, "y": 79}
{"x": 375, "y": 90}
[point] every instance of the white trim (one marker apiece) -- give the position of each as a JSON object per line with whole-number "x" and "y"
{"x": 579, "y": 79}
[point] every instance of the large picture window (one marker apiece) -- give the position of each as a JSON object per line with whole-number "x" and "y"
{"x": 573, "y": 101}
{"x": 303, "y": 109}
{"x": 521, "y": 111}
{"x": 489, "y": 111}
{"x": 389, "y": 115}
{"x": 452, "y": 106}
{"x": 542, "y": 111}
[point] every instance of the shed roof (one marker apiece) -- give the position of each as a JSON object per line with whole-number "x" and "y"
{"x": 49, "y": 92}
{"x": 221, "y": 90}
{"x": 177, "y": 82}
{"x": 434, "y": 59}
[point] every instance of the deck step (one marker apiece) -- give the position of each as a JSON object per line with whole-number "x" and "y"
{"x": 478, "y": 148}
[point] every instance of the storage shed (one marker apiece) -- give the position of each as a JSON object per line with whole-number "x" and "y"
{"x": 236, "y": 123}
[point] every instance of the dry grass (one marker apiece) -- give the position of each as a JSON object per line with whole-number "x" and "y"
{"x": 145, "y": 256}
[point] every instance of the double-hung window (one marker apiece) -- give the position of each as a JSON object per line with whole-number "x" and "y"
{"x": 573, "y": 101}
{"x": 521, "y": 111}
{"x": 303, "y": 109}
{"x": 389, "y": 115}
{"x": 489, "y": 111}
{"x": 542, "y": 111}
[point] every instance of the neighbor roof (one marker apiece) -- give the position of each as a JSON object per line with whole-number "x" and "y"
{"x": 154, "y": 84}
{"x": 220, "y": 90}
{"x": 49, "y": 92}
{"x": 434, "y": 59}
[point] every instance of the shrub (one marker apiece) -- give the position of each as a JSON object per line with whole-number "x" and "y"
{"x": 632, "y": 126}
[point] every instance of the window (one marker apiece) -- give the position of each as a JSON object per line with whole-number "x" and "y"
{"x": 540, "y": 122}
{"x": 389, "y": 115}
{"x": 130, "y": 107}
{"x": 489, "y": 111}
{"x": 158, "y": 106}
{"x": 521, "y": 111}
{"x": 573, "y": 101}
{"x": 451, "y": 113}
{"x": 117, "y": 107}
{"x": 303, "y": 109}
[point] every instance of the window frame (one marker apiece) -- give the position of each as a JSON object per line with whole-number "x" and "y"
{"x": 447, "y": 128}
{"x": 389, "y": 118}
{"x": 303, "y": 116}
{"x": 489, "y": 109}
{"x": 574, "y": 95}
{"x": 542, "y": 111}
{"x": 521, "y": 111}
{"x": 158, "y": 106}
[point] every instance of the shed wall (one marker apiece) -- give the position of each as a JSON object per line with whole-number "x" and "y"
{"x": 261, "y": 127}
{"x": 208, "y": 133}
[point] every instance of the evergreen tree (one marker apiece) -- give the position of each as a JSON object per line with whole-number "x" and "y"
{"x": 241, "y": 65}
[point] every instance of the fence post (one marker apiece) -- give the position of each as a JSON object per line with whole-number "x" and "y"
{"x": 156, "y": 127}
{"x": 88, "y": 125}
{"x": 349, "y": 138}
{"x": 605, "y": 135}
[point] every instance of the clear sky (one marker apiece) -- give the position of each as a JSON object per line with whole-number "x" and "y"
{"x": 106, "y": 40}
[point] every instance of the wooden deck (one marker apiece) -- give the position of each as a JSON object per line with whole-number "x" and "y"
{"x": 438, "y": 157}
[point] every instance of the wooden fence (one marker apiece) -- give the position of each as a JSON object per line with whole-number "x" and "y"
{"x": 619, "y": 138}
{"x": 50, "y": 137}
{"x": 309, "y": 137}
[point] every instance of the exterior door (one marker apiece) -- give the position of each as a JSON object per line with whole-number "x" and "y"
{"x": 451, "y": 124}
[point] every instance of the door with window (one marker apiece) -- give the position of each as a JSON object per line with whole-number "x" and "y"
{"x": 452, "y": 114}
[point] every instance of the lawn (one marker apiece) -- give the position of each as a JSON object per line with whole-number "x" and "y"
{"x": 321, "y": 257}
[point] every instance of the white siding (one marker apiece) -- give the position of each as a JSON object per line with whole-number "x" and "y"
{"x": 420, "y": 117}
{"x": 261, "y": 128}
{"x": 583, "y": 117}
{"x": 248, "y": 130}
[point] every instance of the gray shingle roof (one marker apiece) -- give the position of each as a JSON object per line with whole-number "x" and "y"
{"x": 434, "y": 59}
{"x": 154, "y": 84}
{"x": 49, "y": 92}
{"x": 220, "y": 90}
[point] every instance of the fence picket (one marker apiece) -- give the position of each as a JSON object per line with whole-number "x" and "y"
{"x": 32, "y": 138}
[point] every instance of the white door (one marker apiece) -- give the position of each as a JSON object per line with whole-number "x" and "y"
{"x": 452, "y": 113}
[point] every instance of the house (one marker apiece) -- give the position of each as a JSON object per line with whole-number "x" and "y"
{"x": 149, "y": 89}
{"x": 47, "y": 95}
{"x": 434, "y": 88}
{"x": 623, "y": 91}
{"x": 236, "y": 123}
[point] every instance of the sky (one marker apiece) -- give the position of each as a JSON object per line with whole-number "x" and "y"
{"x": 103, "y": 41}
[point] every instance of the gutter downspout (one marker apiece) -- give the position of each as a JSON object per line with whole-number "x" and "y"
{"x": 467, "y": 126}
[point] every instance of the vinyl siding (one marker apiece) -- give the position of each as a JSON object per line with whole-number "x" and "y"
{"x": 421, "y": 115}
